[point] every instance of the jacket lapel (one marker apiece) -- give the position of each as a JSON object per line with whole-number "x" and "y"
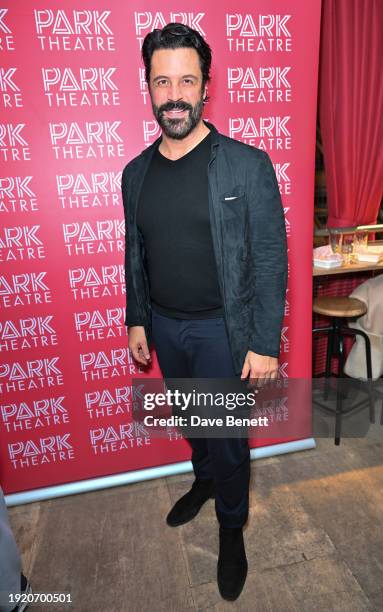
{"x": 143, "y": 163}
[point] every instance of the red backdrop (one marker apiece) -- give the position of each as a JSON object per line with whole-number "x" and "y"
{"x": 74, "y": 110}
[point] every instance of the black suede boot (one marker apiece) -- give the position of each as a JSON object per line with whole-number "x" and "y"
{"x": 188, "y": 506}
{"x": 232, "y": 563}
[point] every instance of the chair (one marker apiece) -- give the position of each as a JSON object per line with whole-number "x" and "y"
{"x": 340, "y": 309}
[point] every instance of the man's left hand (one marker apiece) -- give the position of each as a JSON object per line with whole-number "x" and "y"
{"x": 260, "y": 368}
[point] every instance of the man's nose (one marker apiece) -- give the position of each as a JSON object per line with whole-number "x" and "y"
{"x": 174, "y": 93}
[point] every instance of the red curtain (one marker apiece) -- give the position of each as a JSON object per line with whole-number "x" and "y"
{"x": 351, "y": 109}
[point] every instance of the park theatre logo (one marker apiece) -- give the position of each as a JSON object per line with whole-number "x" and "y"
{"x": 14, "y": 145}
{"x": 10, "y": 93}
{"x": 30, "y": 375}
{"x": 267, "y": 133}
{"x": 41, "y": 451}
{"x": 34, "y": 414}
{"x": 89, "y": 140}
{"x": 256, "y": 33}
{"x": 80, "y": 87}
{"x": 104, "y": 236}
{"x": 258, "y": 84}
{"x": 16, "y": 195}
{"x": 100, "y": 325}
{"x": 108, "y": 364}
{"x": 148, "y": 21}
{"x": 92, "y": 190}
{"x": 33, "y": 332}
{"x": 25, "y": 289}
{"x": 7, "y": 40}
{"x": 21, "y": 243}
{"x": 109, "y": 403}
{"x": 97, "y": 282}
{"x": 119, "y": 438}
{"x": 74, "y": 31}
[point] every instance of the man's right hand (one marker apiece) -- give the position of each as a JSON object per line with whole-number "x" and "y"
{"x": 138, "y": 344}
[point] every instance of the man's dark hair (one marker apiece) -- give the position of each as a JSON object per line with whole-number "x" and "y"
{"x": 176, "y": 36}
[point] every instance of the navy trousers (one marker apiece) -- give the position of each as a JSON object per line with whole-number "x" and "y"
{"x": 199, "y": 348}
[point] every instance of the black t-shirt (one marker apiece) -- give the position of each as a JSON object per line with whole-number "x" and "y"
{"x": 173, "y": 217}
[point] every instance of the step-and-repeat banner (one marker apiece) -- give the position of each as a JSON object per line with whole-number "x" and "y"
{"x": 75, "y": 109}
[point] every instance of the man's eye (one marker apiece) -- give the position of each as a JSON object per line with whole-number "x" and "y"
{"x": 162, "y": 82}
{"x": 188, "y": 81}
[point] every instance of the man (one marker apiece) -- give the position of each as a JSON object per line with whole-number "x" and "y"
{"x": 206, "y": 269}
{"x": 12, "y": 582}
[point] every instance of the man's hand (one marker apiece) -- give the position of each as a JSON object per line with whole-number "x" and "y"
{"x": 138, "y": 344}
{"x": 261, "y": 368}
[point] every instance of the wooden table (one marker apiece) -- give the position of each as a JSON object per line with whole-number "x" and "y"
{"x": 362, "y": 266}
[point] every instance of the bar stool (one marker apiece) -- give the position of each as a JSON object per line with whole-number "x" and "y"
{"x": 340, "y": 309}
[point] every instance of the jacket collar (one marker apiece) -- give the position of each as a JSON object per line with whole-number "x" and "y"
{"x": 214, "y": 138}
{"x": 214, "y": 133}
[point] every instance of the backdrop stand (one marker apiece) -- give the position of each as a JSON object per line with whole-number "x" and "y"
{"x": 115, "y": 480}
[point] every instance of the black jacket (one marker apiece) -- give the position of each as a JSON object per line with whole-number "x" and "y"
{"x": 249, "y": 241}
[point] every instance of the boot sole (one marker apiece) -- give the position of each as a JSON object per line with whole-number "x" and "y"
{"x": 190, "y": 517}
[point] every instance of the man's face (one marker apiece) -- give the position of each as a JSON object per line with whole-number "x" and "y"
{"x": 176, "y": 90}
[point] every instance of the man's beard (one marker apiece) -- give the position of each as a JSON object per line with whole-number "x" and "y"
{"x": 178, "y": 128}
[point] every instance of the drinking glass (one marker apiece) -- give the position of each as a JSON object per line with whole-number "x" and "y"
{"x": 347, "y": 247}
{"x": 360, "y": 241}
{"x": 336, "y": 241}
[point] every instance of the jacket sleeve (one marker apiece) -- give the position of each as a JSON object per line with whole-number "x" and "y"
{"x": 268, "y": 244}
{"x": 133, "y": 312}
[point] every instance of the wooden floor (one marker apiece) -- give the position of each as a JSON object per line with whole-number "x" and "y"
{"x": 314, "y": 540}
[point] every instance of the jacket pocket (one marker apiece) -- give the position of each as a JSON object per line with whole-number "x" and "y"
{"x": 234, "y": 195}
